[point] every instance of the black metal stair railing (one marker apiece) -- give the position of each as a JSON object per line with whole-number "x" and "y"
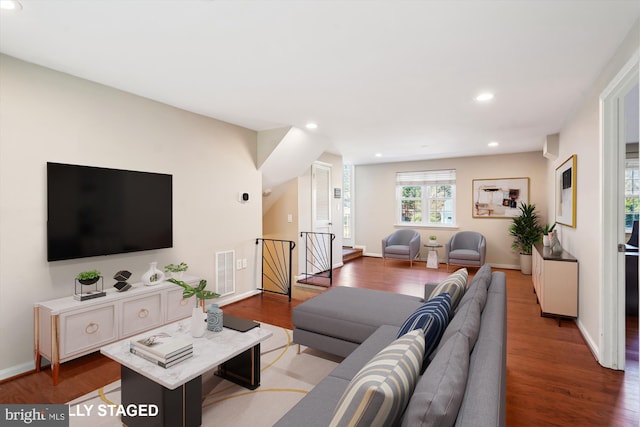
{"x": 276, "y": 265}
{"x": 318, "y": 261}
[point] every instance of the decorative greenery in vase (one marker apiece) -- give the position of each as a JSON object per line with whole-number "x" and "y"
{"x": 176, "y": 270}
{"x": 199, "y": 291}
{"x": 88, "y": 277}
{"x": 525, "y": 229}
{"x": 433, "y": 238}
{"x": 548, "y": 229}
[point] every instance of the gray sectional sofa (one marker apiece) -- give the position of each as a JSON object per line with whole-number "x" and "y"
{"x": 464, "y": 383}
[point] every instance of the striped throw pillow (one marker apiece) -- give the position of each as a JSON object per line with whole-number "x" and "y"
{"x": 455, "y": 285}
{"x": 378, "y": 394}
{"x": 432, "y": 317}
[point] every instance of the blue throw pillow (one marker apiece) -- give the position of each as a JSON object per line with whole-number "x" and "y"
{"x": 432, "y": 317}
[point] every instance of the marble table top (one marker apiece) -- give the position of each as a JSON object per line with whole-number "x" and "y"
{"x": 209, "y": 351}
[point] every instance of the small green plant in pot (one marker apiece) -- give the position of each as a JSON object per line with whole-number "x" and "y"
{"x": 176, "y": 270}
{"x": 526, "y": 231}
{"x": 88, "y": 277}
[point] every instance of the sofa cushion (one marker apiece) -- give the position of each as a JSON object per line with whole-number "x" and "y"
{"x": 438, "y": 394}
{"x": 315, "y": 409}
{"x": 351, "y": 365}
{"x": 482, "y": 276}
{"x": 378, "y": 394}
{"x": 477, "y": 288}
{"x": 467, "y": 322}
{"x": 454, "y": 285}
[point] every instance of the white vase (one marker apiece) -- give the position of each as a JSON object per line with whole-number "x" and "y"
{"x": 197, "y": 322}
{"x": 545, "y": 240}
{"x": 153, "y": 276}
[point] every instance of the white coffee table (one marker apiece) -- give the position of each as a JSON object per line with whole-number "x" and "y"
{"x": 177, "y": 390}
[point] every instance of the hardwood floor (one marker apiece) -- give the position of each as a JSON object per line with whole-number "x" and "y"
{"x": 552, "y": 377}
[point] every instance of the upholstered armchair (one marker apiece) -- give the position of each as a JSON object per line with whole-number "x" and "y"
{"x": 466, "y": 248}
{"x": 401, "y": 244}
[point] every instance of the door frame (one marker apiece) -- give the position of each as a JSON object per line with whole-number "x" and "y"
{"x": 314, "y": 193}
{"x": 612, "y": 349}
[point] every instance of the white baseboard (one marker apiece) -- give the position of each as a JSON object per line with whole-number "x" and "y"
{"x": 589, "y": 340}
{"x": 239, "y": 297}
{"x": 506, "y": 266}
{"x": 12, "y": 371}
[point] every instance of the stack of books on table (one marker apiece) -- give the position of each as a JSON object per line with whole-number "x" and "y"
{"x": 162, "y": 349}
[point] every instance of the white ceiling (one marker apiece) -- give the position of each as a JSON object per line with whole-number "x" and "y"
{"x": 390, "y": 77}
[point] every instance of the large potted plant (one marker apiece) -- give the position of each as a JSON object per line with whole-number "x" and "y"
{"x": 526, "y": 230}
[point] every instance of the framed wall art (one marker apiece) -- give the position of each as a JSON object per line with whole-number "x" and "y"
{"x": 566, "y": 194}
{"x": 499, "y": 197}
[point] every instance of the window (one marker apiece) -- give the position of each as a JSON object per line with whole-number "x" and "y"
{"x": 631, "y": 193}
{"x": 346, "y": 201}
{"x": 426, "y": 197}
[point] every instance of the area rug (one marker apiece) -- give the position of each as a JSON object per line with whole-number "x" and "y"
{"x": 286, "y": 377}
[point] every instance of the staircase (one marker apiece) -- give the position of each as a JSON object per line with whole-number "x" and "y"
{"x": 349, "y": 254}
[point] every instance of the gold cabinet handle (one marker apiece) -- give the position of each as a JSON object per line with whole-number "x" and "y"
{"x": 184, "y": 301}
{"x": 143, "y": 313}
{"x": 92, "y": 328}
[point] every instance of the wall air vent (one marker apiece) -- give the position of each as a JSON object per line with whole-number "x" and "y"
{"x": 225, "y": 272}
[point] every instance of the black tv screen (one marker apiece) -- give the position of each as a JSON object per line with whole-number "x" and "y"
{"x": 95, "y": 211}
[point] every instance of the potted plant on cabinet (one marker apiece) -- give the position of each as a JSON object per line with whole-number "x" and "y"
{"x": 88, "y": 277}
{"x": 197, "y": 316}
{"x": 176, "y": 270}
{"x": 526, "y": 231}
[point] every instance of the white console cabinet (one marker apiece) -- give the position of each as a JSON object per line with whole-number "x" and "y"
{"x": 66, "y": 328}
{"x": 555, "y": 282}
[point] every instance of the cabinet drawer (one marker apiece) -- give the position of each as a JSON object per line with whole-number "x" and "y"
{"x": 177, "y": 307}
{"x": 87, "y": 330}
{"x": 141, "y": 314}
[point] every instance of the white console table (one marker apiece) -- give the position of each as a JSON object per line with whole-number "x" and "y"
{"x": 555, "y": 282}
{"x": 66, "y": 329}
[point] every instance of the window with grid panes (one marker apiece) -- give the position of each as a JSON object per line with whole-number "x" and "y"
{"x": 426, "y": 197}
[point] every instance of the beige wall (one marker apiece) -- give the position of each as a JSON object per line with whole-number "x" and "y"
{"x": 50, "y": 116}
{"x": 275, "y": 224}
{"x": 375, "y": 201}
{"x": 581, "y": 136}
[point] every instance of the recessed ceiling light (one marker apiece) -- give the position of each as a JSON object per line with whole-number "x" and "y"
{"x": 484, "y": 97}
{"x": 311, "y": 126}
{"x": 378, "y": 154}
{"x": 493, "y": 144}
{"x": 12, "y": 5}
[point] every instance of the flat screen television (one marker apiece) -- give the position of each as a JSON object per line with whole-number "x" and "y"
{"x": 95, "y": 211}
